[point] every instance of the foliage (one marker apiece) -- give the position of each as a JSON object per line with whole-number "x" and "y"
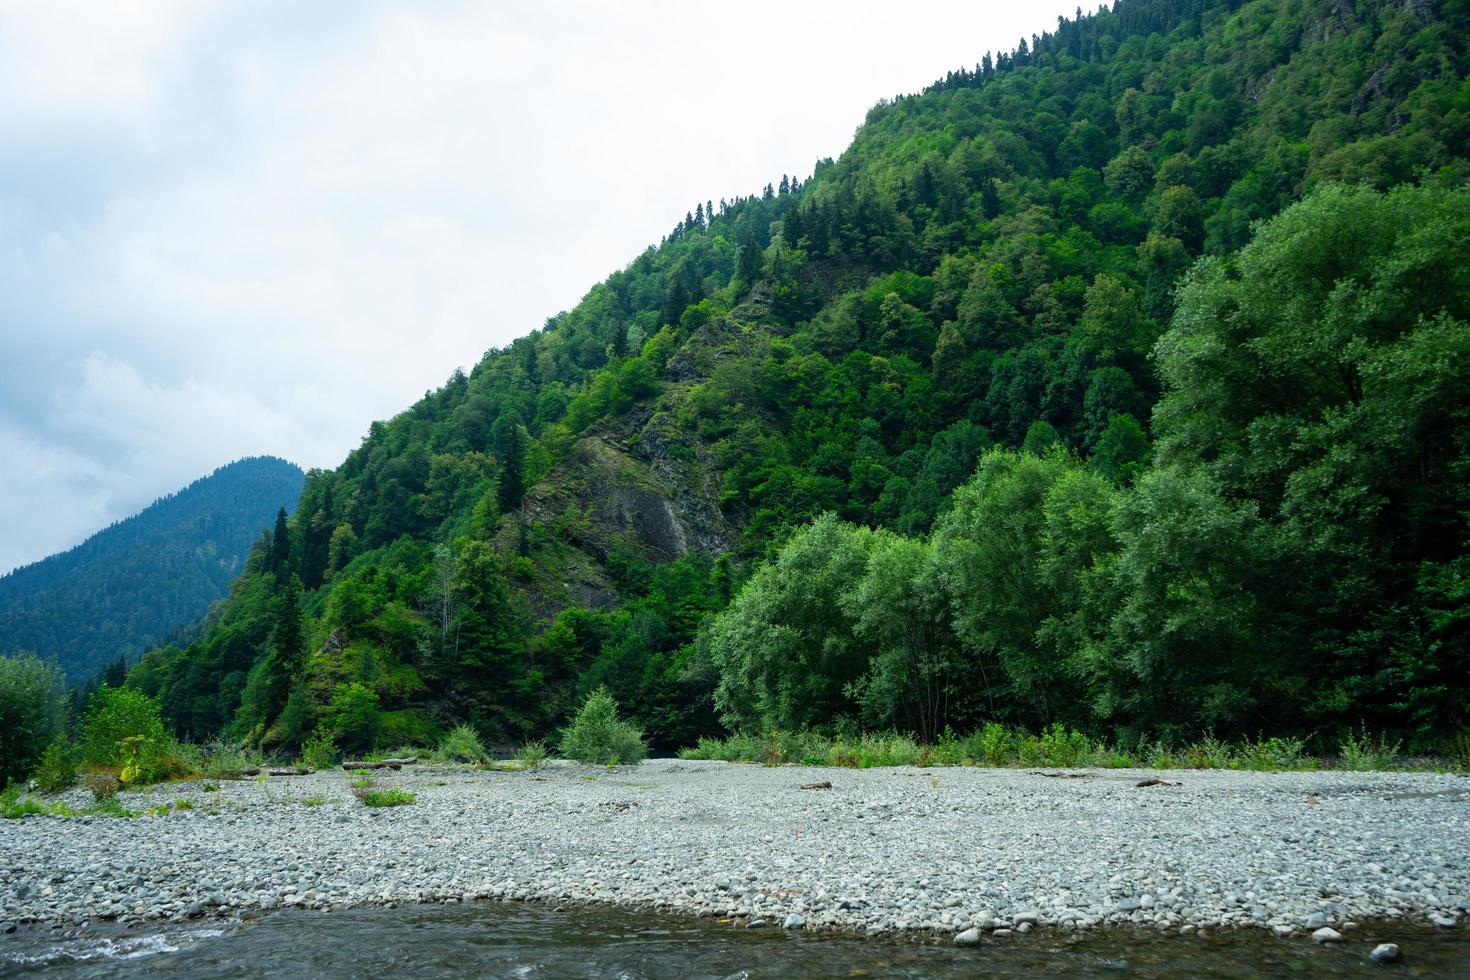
{"x": 123, "y": 725}
{"x": 1362, "y": 752}
{"x": 33, "y": 712}
{"x": 141, "y": 580}
{"x": 319, "y": 751}
{"x": 57, "y": 769}
{"x": 383, "y": 797}
{"x": 597, "y": 736}
{"x": 352, "y": 719}
{"x": 531, "y": 755}
{"x": 935, "y": 438}
{"x": 463, "y": 745}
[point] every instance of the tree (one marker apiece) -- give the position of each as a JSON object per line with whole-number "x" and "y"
{"x": 33, "y": 707}
{"x": 280, "y": 555}
{"x": 510, "y": 452}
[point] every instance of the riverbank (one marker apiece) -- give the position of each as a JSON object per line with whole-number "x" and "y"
{"x": 882, "y": 850}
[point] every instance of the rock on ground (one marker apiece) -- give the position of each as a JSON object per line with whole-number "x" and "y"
{"x": 940, "y": 850}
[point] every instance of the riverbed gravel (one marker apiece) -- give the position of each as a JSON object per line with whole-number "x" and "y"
{"x": 944, "y": 850}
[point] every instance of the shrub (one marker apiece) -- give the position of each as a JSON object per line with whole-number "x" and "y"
{"x": 531, "y": 755}
{"x": 1360, "y": 752}
{"x": 57, "y": 770}
{"x": 319, "y": 751}
{"x": 103, "y": 786}
{"x": 353, "y": 718}
{"x": 218, "y": 760}
{"x": 115, "y": 715}
{"x": 1460, "y": 750}
{"x": 462, "y": 745}
{"x": 382, "y": 797}
{"x": 1273, "y": 754}
{"x": 995, "y": 745}
{"x": 32, "y": 712}
{"x": 597, "y": 736}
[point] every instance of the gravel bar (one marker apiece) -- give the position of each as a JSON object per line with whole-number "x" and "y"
{"x": 946, "y": 850}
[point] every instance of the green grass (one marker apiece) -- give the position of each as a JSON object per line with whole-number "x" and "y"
{"x": 384, "y": 797}
{"x": 1055, "y": 747}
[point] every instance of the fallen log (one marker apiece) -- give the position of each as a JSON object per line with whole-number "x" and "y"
{"x": 824, "y": 784}
{"x": 381, "y": 764}
{"x": 1158, "y": 782}
{"x": 293, "y": 771}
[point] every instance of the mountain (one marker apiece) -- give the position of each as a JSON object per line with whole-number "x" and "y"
{"x": 130, "y": 586}
{"x": 994, "y": 264}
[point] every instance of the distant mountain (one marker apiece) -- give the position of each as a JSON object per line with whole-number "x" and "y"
{"x": 126, "y": 588}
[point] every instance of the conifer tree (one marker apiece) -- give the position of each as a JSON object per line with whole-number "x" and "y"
{"x": 510, "y": 450}
{"x": 280, "y": 555}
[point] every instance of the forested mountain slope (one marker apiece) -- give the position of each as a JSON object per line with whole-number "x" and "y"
{"x": 990, "y": 264}
{"x": 128, "y": 587}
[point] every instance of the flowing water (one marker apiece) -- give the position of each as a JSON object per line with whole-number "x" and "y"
{"x": 495, "y": 940}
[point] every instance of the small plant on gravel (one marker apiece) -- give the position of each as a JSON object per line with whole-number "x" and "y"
{"x": 314, "y": 800}
{"x": 103, "y": 786}
{"x": 383, "y": 797}
{"x": 210, "y": 787}
{"x": 57, "y": 770}
{"x": 462, "y": 745}
{"x": 362, "y": 782}
{"x": 531, "y": 755}
{"x": 1361, "y": 752}
{"x": 597, "y": 736}
{"x": 1275, "y": 755}
{"x": 1460, "y": 751}
{"x": 319, "y": 751}
{"x": 995, "y": 744}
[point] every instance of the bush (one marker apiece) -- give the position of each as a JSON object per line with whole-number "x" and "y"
{"x": 115, "y": 715}
{"x": 57, "y": 770}
{"x": 32, "y": 712}
{"x": 531, "y": 755}
{"x": 218, "y": 760}
{"x": 319, "y": 751}
{"x": 382, "y": 797}
{"x": 353, "y": 718}
{"x": 597, "y": 736}
{"x": 1361, "y": 753}
{"x": 462, "y": 745}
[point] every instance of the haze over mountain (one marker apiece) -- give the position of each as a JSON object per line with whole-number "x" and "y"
{"x": 1127, "y": 368}
{"x": 133, "y": 584}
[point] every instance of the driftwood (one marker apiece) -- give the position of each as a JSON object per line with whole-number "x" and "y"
{"x": 1158, "y": 782}
{"x": 384, "y": 764}
{"x": 1063, "y": 775}
{"x": 824, "y": 784}
{"x": 294, "y": 771}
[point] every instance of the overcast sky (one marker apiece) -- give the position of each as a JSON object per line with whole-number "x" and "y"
{"x": 229, "y": 229}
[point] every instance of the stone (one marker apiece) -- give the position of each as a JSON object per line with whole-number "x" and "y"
{"x": 1034, "y": 918}
{"x": 756, "y": 924}
{"x": 1444, "y": 921}
{"x": 1001, "y": 933}
{"x": 1385, "y": 953}
{"x": 1024, "y": 928}
{"x": 1315, "y": 921}
{"x": 793, "y": 921}
{"x": 1128, "y": 905}
{"x": 8, "y": 927}
{"x": 1146, "y": 902}
{"x": 970, "y": 937}
{"x": 1326, "y": 934}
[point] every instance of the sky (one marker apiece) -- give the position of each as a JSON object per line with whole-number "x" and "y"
{"x": 244, "y": 228}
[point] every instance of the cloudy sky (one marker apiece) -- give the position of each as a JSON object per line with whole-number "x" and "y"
{"x": 229, "y": 229}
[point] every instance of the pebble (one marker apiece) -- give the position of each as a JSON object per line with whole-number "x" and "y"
{"x": 1385, "y": 953}
{"x": 1444, "y": 921}
{"x": 1326, "y": 935}
{"x": 793, "y": 921}
{"x": 691, "y": 837}
{"x": 970, "y": 937}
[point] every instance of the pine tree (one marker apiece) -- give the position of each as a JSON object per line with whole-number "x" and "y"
{"x": 751, "y": 263}
{"x": 280, "y": 555}
{"x": 510, "y": 450}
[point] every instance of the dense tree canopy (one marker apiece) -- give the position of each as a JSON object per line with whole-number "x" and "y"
{"x": 954, "y": 340}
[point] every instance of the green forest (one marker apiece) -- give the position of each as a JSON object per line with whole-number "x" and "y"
{"x": 1121, "y": 381}
{"x": 143, "y": 580}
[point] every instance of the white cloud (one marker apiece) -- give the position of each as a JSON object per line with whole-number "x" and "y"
{"x": 231, "y": 228}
